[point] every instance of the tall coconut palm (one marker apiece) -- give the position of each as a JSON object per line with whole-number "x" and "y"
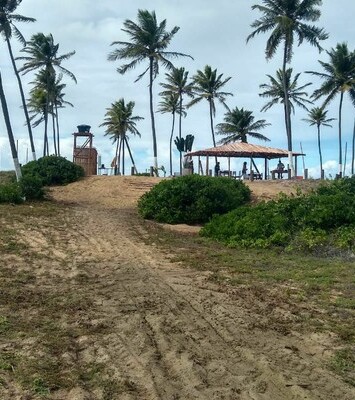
{"x": 9, "y": 131}
{"x": 275, "y": 91}
{"x": 207, "y": 84}
{"x": 53, "y": 84}
{"x": 59, "y": 102}
{"x": 148, "y": 41}
{"x": 239, "y": 124}
{"x": 288, "y": 20}
{"x": 170, "y": 104}
{"x": 176, "y": 82}
{"x": 118, "y": 122}
{"x": 339, "y": 78}
{"x": 318, "y": 116}
{"x": 7, "y": 29}
{"x": 43, "y": 55}
{"x": 37, "y": 105}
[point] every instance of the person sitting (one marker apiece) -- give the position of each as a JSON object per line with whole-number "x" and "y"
{"x": 280, "y": 169}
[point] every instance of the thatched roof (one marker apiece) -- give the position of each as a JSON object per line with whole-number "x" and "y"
{"x": 239, "y": 149}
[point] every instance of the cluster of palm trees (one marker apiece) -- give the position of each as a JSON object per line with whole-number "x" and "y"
{"x": 289, "y": 21}
{"x": 46, "y": 96}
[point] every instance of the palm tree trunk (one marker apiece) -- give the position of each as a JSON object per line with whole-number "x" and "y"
{"x": 340, "y": 145}
{"x": 211, "y": 123}
{"x": 116, "y": 157}
{"x": 180, "y": 117}
{"x": 24, "y": 105}
{"x": 9, "y": 131}
{"x": 123, "y": 147}
{"x": 54, "y": 135}
{"x": 288, "y": 112}
{"x": 320, "y": 152}
{"x": 212, "y": 129}
{"x": 130, "y": 155}
{"x": 57, "y": 124}
{"x": 155, "y": 151}
{"x": 119, "y": 156}
{"x": 171, "y": 145}
{"x": 45, "y": 137}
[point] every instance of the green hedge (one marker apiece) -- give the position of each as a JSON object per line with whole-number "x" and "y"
{"x": 192, "y": 199}
{"x": 322, "y": 218}
{"x": 53, "y": 170}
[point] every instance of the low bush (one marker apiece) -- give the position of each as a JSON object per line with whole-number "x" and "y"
{"x": 10, "y": 193}
{"x": 31, "y": 187}
{"x": 192, "y": 199}
{"x": 307, "y": 222}
{"x": 53, "y": 170}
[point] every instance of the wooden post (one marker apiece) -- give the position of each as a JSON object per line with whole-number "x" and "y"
{"x": 229, "y": 166}
{"x": 207, "y": 165}
{"x": 296, "y": 165}
{"x": 306, "y": 173}
{"x": 265, "y": 169}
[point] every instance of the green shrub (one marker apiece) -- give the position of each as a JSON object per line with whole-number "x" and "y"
{"x": 192, "y": 199}
{"x": 53, "y": 170}
{"x": 307, "y": 222}
{"x": 10, "y": 193}
{"x": 31, "y": 187}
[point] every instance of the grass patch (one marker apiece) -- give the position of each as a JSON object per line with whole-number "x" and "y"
{"x": 343, "y": 363}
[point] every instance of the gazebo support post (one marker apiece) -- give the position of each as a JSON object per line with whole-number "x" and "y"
{"x": 229, "y": 167}
{"x": 265, "y": 168}
{"x": 296, "y": 166}
{"x": 207, "y": 165}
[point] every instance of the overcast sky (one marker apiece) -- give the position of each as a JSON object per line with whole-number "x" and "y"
{"x": 214, "y": 33}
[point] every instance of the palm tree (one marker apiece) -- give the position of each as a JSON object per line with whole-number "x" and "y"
{"x": 176, "y": 83}
{"x": 207, "y": 85}
{"x": 43, "y": 55}
{"x": 275, "y": 91}
{"x": 318, "y": 116}
{"x": 9, "y": 131}
{"x": 170, "y": 104}
{"x": 118, "y": 122}
{"x": 148, "y": 41}
{"x": 339, "y": 78}
{"x": 239, "y": 124}
{"x": 7, "y": 28}
{"x": 53, "y": 84}
{"x": 287, "y": 21}
{"x": 37, "y": 105}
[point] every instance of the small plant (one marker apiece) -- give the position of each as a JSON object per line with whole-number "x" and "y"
{"x": 40, "y": 387}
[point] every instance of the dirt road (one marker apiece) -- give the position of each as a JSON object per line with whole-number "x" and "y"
{"x": 165, "y": 331}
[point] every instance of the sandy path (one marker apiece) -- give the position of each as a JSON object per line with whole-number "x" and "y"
{"x": 172, "y": 333}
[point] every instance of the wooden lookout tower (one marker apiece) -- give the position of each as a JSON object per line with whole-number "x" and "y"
{"x": 83, "y": 153}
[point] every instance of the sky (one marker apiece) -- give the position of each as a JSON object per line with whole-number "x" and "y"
{"x": 214, "y": 33}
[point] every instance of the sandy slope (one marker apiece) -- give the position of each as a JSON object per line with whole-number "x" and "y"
{"x": 173, "y": 334}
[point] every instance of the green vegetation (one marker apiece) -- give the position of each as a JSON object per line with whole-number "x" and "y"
{"x": 192, "y": 199}
{"x": 319, "y": 220}
{"x": 46, "y": 171}
{"x": 53, "y": 170}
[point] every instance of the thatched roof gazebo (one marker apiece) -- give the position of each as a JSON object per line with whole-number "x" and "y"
{"x": 244, "y": 150}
